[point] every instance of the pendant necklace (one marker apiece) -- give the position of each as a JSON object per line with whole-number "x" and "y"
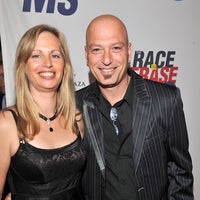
{"x": 49, "y": 120}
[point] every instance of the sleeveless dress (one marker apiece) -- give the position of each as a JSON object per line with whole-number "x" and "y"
{"x": 47, "y": 174}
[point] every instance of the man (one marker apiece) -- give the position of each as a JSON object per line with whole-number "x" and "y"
{"x": 135, "y": 130}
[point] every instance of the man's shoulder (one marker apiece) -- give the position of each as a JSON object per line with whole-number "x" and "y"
{"x": 158, "y": 90}
{"x": 87, "y": 93}
{"x": 139, "y": 81}
{"x": 159, "y": 85}
{"x": 152, "y": 87}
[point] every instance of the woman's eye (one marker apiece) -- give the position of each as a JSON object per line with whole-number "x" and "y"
{"x": 56, "y": 56}
{"x": 35, "y": 56}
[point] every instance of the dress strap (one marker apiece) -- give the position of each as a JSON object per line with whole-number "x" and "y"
{"x": 15, "y": 118}
{"x": 13, "y": 113}
{"x": 77, "y": 129}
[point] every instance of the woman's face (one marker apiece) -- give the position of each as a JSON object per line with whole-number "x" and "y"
{"x": 45, "y": 66}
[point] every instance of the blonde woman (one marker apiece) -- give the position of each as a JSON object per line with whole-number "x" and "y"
{"x": 41, "y": 147}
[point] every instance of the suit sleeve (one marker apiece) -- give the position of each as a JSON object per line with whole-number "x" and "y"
{"x": 180, "y": 164}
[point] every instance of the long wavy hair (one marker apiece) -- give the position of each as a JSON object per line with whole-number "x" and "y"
{"x": 28, "y": 120}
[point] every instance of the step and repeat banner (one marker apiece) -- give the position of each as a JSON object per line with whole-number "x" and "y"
{"x": 165, "y": 35}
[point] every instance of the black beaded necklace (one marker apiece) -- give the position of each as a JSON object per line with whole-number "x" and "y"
{"x": 49, "y": 120}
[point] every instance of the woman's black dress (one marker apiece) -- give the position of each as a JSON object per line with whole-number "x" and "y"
{"x": 47, "y": 174}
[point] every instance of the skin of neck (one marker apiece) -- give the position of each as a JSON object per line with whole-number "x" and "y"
{"x": 115, "y": 93}
{"x": 46, "y": 104}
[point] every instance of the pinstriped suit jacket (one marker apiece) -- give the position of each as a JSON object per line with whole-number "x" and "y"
{"x": 161, "y": 161}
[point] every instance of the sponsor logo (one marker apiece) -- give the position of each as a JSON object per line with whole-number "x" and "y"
{"x": 157, "y": 66}
{"x": 67, "y": 7}
{"x": 78, "y": 83}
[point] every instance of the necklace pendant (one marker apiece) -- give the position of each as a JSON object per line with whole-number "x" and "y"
{"x": 49, "y": 124}
{"x": 51, "y": 129}
{"x": 48, "y": 120}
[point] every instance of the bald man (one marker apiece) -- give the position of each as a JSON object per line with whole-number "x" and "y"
{"x": 135, "y": 130}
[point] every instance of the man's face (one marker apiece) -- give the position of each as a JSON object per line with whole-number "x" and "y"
{"x": 2, "y": 83}
{"x": 107, "y": 52}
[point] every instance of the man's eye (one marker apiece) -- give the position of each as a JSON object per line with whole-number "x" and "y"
{"x": 116, "y": 49}
{"x": 96, "y": 50}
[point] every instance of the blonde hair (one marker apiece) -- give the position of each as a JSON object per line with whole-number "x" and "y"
{"x": 28, "y": 124}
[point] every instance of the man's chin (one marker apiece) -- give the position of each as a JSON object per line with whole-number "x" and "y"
{"x": 106, "y": 85}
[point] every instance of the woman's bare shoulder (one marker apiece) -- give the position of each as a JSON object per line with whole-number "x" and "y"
{"x": 8, "y": 132}
{"x": 7, "y": 122}
{"x": 6, "y": 117}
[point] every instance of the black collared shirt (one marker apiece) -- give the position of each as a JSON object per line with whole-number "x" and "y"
{"x": 120, "y": 178}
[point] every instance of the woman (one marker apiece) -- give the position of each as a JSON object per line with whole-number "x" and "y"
{"x": 41, "y": 135}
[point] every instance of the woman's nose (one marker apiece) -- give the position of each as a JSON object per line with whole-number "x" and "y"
{"x": 47, "y": 62}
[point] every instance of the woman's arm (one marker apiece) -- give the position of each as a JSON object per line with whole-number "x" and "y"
{"x": 9, "y": 143}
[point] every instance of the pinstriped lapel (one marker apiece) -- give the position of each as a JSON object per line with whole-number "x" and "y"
{"x": 141, "y": 113}
{"x": 93, "y": 125}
